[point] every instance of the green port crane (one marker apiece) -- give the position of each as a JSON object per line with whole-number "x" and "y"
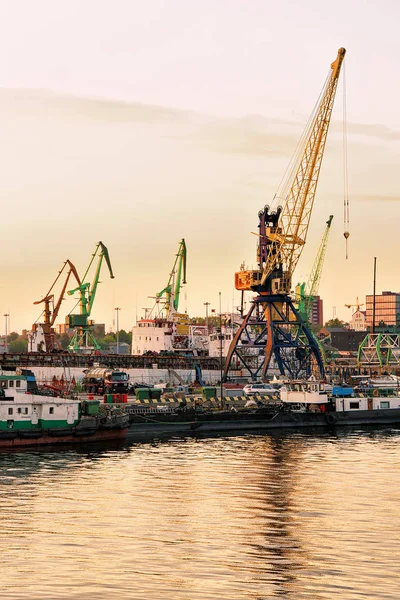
{"x": 175, "y": 282}
{"x": 306, "y": 292}
{"x": 87, "y": 293}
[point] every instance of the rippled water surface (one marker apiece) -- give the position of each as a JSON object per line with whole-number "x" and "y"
{"x": 233, "y": 518}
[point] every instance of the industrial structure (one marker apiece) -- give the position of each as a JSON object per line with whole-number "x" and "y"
{"x": 172, "y": 290}
{"x": 83, "y": 339}
{"x": 308, "y": 302}
{"x": 163, "y": 328}
{"x": 380, "y": 350}
{"x": 273, "y": 329}
{"x": 42, "y": 337}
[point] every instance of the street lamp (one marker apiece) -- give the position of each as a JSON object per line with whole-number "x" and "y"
{"x": 6, "y": 317}
{"x": 220, "y": 348}
{"x": 206, "y": 304}
{"x": 117, "y": 310}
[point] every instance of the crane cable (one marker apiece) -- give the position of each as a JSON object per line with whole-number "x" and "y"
{"x": 288, "y": 176}
{"x": 346, "y": 209}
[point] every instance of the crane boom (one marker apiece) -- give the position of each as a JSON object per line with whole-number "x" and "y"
{"x": 288, "y": 238}
{"x": 306, "y": 292}
{"x": 103, "y": 254}
{"x": 175, "y": 282}
{"x": 316, "y": 271}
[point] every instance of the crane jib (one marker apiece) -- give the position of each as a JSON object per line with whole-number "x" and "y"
{"x": 296, "y": 211}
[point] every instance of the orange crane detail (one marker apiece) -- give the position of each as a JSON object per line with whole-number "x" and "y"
{"x": 51, "y": 310}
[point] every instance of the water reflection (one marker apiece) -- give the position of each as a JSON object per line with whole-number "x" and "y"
{"x": 249, "y": 517}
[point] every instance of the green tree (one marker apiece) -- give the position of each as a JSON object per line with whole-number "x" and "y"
{"x": 124, "y": 337}
{"x": 18, "y": 345}
{"x": 106, "y": 340}
{"x": 64, "y": 341}
{"x": 336, "y": 323}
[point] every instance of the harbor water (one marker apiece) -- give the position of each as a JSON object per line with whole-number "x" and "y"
{"x": 247, "y": 517}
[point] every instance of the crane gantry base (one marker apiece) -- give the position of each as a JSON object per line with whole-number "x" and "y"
{"x": 274, "y": 332}
{"x": 83, "y": 341}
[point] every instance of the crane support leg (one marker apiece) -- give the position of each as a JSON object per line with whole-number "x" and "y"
{"x": 273, "y": 335}
{"x": 242, "y": 336}
{"x": 269, "y": 346}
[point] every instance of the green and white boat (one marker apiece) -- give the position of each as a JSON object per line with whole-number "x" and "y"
{"x": 28, "y": 418}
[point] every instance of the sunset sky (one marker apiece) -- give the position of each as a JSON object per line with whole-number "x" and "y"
{"x": 139, "y": 123}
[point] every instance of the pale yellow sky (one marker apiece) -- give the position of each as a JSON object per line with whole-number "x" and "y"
{"x": 151, "y": 164}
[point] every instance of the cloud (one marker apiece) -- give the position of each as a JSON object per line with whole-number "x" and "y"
{"x": 378, "y": 131}
{"x": 235, "y": 139}
{"x": 97, "y": 109}
{"x": 374, "y": 198}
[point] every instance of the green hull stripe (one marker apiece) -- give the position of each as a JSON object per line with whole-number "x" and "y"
{"x": 43, "y": 424}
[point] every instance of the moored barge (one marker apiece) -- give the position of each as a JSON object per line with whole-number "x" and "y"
{"x": 28, "y": 419}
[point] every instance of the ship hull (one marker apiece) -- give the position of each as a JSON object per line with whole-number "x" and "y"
{"x": 258, "y": 420}
{"x": 13, "y": 440}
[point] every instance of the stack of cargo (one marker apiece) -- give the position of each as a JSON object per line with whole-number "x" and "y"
{"x": 115, "y": 398}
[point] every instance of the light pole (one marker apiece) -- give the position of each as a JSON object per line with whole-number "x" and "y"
{"x": 220, "y": 348}
{"x": 6, "y": 317}
{"x": 374, "y": 298}
{"x": 206, "y": 304}
{"x": 117, "y": 310}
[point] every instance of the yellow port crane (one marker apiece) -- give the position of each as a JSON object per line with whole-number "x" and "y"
{"x": 273, "y": 327}
{"x": 357, "y": 305}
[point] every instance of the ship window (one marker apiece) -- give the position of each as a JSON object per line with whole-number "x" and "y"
{"x": 10, "y": 410}
{"x": 385, "y": 404}
{"x": 11, "y": 384}
{"x": 354, "y": 405}
{"x": 18, "y": 383}
{"x": 51, "y": 410}
{"x": 157, "y": 339}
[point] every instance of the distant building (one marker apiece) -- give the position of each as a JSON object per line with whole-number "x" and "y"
{"x": 62, "y": 328}
{"x": 359, "y": 320}
{"x": 2, "y": 344}
{"x": 346, "y": 339}
{"x": 99, "y": 330}
{"x": 387, "y": 309}
{"x": 123, "y": 348}
{"x": 317, "y": 311}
